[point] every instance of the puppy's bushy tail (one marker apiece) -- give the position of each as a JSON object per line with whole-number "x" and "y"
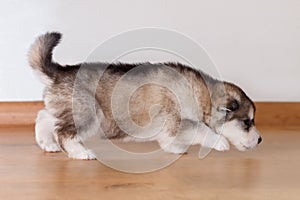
{"x": 40, "y": 54}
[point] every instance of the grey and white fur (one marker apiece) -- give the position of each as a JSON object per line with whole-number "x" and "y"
{"x": 226, "y": 112}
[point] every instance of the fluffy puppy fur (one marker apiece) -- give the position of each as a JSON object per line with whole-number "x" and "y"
{"x": 226, "y": 113}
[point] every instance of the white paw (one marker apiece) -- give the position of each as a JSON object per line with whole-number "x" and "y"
{"x": 51, "y": 148}
{"x": 48, "y": 145}
{"x": 83, "y": 155}
{"x": 175, "y": 148}
{"x": 44, "y": 129}
{"x": 222, "y": 144}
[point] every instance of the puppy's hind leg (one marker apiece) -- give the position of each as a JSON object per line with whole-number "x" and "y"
{"x": 72, "y": 145}
{"x": 70, "y": 141}
{"x": 44, "y": 130}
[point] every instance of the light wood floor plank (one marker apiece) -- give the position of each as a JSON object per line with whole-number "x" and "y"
{"x": 269, "y": 172}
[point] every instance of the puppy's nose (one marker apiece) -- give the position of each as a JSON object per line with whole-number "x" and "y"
{"x": 259, "y": 140}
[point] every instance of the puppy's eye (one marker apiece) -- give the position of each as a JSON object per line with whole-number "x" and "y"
{"x": 248, "y": 122}
{"x": 233, "y": 105}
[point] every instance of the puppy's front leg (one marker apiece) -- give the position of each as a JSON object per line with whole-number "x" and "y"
{"x": 193, "y": 132}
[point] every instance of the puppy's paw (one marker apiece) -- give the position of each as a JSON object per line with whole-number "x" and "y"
{"x": 221, "y": 144}
{"x": 174, "y": 148}
{"x": 83, "y": 155}
{"x": 48, "y": 146}
{"x": 52, "y": 148}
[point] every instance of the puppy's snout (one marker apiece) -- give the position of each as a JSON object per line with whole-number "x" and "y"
{"x": 259, "y": 140}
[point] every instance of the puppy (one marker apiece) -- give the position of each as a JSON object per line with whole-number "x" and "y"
{"x": 194, "y": 108}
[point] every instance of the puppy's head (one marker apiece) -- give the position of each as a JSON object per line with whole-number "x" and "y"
{"x": 235, "y": 119}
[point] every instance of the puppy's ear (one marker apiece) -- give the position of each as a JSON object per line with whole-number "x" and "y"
{"x": 233, "y": 105}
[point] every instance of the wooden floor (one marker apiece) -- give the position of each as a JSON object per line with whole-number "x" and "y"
{"x": 270, "y": 172}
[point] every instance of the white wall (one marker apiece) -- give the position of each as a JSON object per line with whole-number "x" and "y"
{"x": 255, "y": 44}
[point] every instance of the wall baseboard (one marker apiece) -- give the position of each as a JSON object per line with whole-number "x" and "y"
{"x": 268, "y": 113}
{"x": 19, "y": 113}
{"x": 278, "y": 113}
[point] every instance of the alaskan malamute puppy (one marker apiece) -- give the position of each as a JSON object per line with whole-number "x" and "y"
{"x": 225, "y": 112}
